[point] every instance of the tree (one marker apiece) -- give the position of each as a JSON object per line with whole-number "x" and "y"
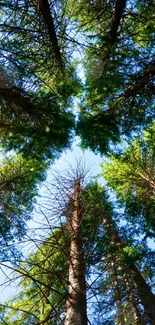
{"x": 36, "y": 97}
{"x": 119, "y": 69}
{"x": 108, "y": 262}
{"x": 43, "y": 284}
{"x": 117, "y": 42}
{"x": 36, "y": 125}
{"x": 40, "y": 41}
{"x": 76, "y": 302}
{"x": 33, "y": 35}
{"x": 131, "y": 175}
{"x": 54, "y": 255}
{"x": 19, "y": 179}
{"x": 121, "y": 256}
{"x": 44, "y": 10}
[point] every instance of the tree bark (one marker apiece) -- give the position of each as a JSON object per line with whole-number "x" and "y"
{"x": 145, "y": 294}
{"x": 76, "y": 303}
{"x": 119, "y": 9}
{"x": 120, "y": 309}
{"x": 118, "y": 298}
{"x": 143, "y": 290}
{"x": 137, "y": 317}
{"x": 44, "y": 9}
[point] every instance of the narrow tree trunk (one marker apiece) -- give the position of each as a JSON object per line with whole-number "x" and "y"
{"x": 145, "y": 294}
{"x": 118, "y": 298}
{"x": 120, "y": 309}
{"x": 143, "y": 290}
{"x": 138, "y": 319}
{"x": 119, "y": 9}
{"x": 76, "y": 302}
{"x": 133, "y": 306}
{"x": 44, "y": 9}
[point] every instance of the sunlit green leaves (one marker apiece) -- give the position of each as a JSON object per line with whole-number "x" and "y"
{"x": 131, "y": 175}
{"x": 19, "y": 180}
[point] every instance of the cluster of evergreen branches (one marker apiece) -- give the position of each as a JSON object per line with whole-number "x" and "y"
{"x": 93, "y": 262}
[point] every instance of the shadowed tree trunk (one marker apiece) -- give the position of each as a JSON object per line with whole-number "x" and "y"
{"x": 137, "y": 317}
{"x": 117, "y": 291}
{"x": 119, "y": 9}
{"x": 120, "y": 308}
{"x": 143, "y": 290}
{"x": 76, "y": 302}
{"x": 44, "y": 10}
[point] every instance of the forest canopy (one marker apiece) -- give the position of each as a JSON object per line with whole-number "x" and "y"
{"x": 78, "y": 68}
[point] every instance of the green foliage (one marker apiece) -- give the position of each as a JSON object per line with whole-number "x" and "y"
{"x": 44, "y": 274}
{"x": 40, "y": 46}
{"x": 41, "y": 298}
{"x": 95, "y": 203}
{"x": 119, "y": 70}
{"x": 97, "y": 130}
{"x": 27, "y": 41}
{"x": 132, "y": 254}
{"x": 35, "y": 95}
{"x": 36, "y": 126}
{"x": 19, "y": 179}
{"x": 109, "y": 259}
{"x": 131, "y": 175}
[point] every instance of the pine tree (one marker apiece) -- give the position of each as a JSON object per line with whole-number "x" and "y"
{"x": 19, "y": 180}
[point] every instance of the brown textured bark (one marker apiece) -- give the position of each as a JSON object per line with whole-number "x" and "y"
{"x": 76, "y": 302}
{"x": 138, "y": 319}
{"x": 120, "y": 309}
{"x": 143, "y": 290}
{"x": 118, "y": 298}
{"x": 44, "y": 10}
{"x": 146, "y": 296}
{"x": 133, "y": 304}
{"x": 119, "y": 9}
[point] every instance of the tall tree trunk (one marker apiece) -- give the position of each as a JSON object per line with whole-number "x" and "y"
{"x": 145, "y": 294}
{"x": 44, "y": 9}
{"x": 143, "y": 290}
{"x": 118, "y": 298}
{"x": 119, "y": 9}
{"x": 136, "y": 316}
{"x": 76, "y": 303}
{"x": 120, "y": 309}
